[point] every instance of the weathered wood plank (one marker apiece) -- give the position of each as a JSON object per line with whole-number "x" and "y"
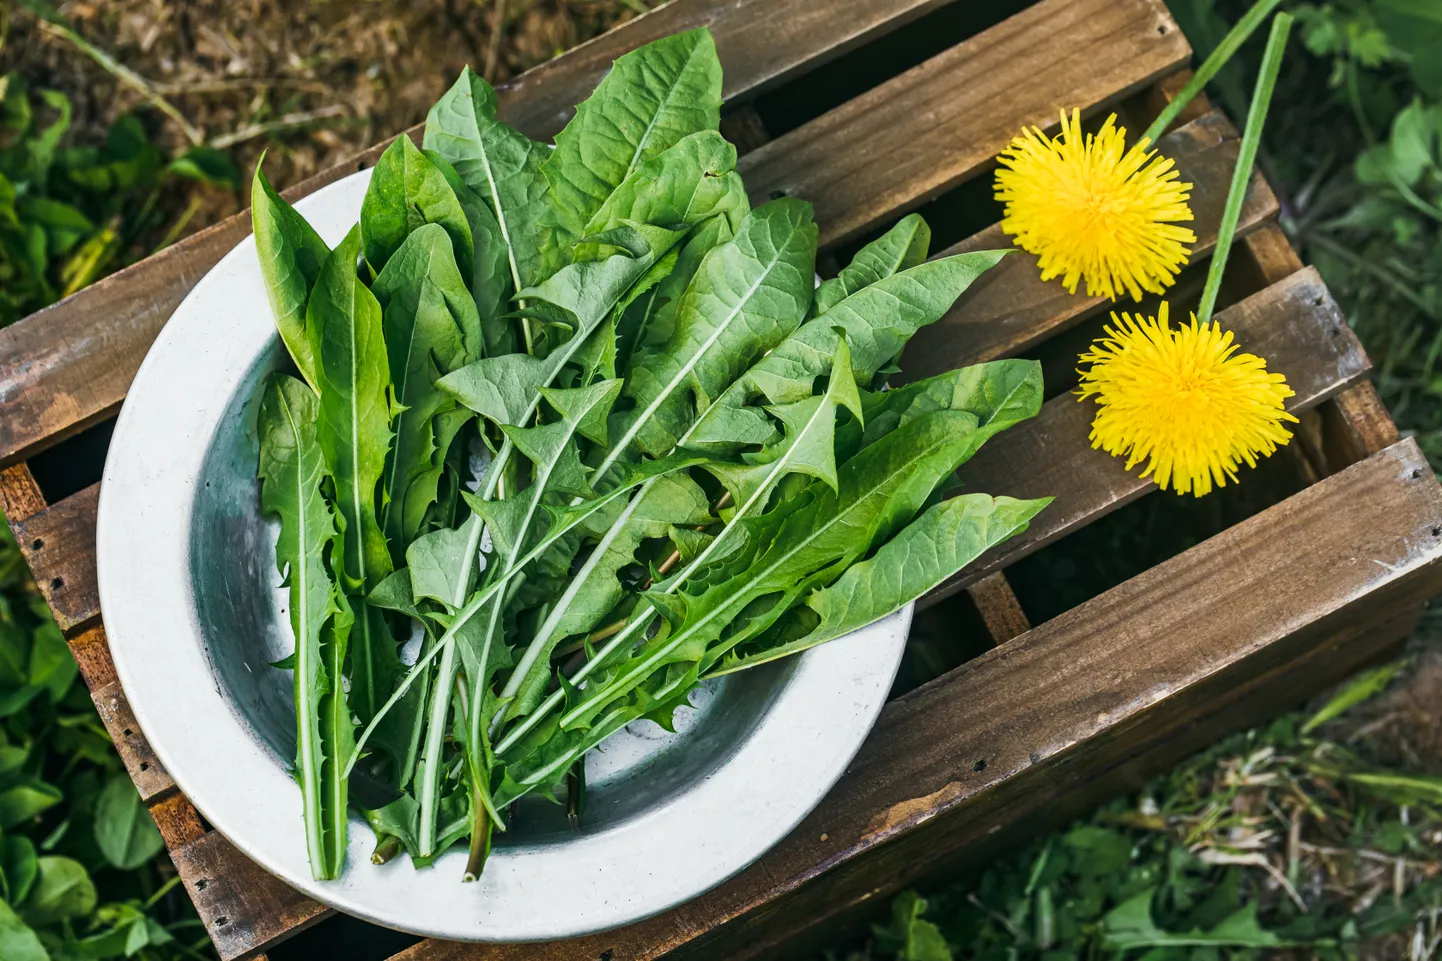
{"x": 69, "y": 366}
{"x": 150, "y": 776}
{"x": 20, "y": 496}
{"x": 59, "y": 545}
{"x": 940, "y": 123}
{"x": 1010, "y": 309}
{"x": 977, "y": 750}
{"x": 997, "y": 604}
{"x": 244, "y": 909}
{"x": 1295, "y": 324}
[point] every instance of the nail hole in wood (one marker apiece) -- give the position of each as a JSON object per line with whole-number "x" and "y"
{"x": 144, "y": 765}
{"x": 1336, "y": 331}
{"x": 1161, "y": 29}
{"x": 1437, "y": 532}
{"x": 221, "y": 922}
{"x": 200, "y": 885}
{"x": 57, "y": 583}
{"x": 606, "y": 955}
{"x": 1416, "y": 474}
{"x": 128, "y": 732}
{"x": 979, "y": 766}
{"x": 37, "y": 543}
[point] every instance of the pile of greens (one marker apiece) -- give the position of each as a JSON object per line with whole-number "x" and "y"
{"x": 579, "y": 422}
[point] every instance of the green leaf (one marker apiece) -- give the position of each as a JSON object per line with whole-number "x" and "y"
{"x": 20, "y": 867}
{"x": 23, "y": 801}
{"x": 499, "y": 163}
{"x": 407, "y": 190}
{"x": 490, "y": 279}
{"x": 17, "y": 941}
{"x": 292, "y": 470}
{"x": 912, "y": 937}
{"x": 808, "y": 443}
{"x": 291, "y": 254}
{"x": 63, "y": 890}
{"x": 1129, "y": 925}
{"x": 902, "y": 247}
{"x": 436, "y": 562}
{"x": 805, "y": 543}
{"x": 1361, "y": 688}
{"x": 877, "y": 321}
{"x": 649, "y": 322}
{"x": 691, "y": 181}
{"x": 431, "y": 327}
{"x": 123, "y": 827}
{"x": 208, "y": 166}
{"x": 746, "y": 296}
{"x": 926, "y": 552}
{"x": 651, "y": 99}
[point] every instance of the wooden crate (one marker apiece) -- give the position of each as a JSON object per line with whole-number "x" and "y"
{"x": 870, "y": 108}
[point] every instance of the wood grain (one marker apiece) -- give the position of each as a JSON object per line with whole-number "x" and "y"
{"x": 150, "y": 776}
{"x": 59, "y": 544}
{"x": 1295, "y": 324}
{"x": 916, "y": 136}
{"x": 997, "y": 604}
{"x": 984, "y": 747}
{"x": 70, "y": 365}
{"x": 1010, "y": 309}
{"x": 20, "y": 496}
{"x": 1355, "y": 424}
{"x": 244, "y": 909}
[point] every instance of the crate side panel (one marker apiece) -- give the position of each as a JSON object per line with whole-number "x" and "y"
{"x": 1295, "y": 324}
{"x": 942, "y": 122}
{"x": 1010, "y": 308}
{"x": 70, "y": 365}
{"x": 1090, "y": 685}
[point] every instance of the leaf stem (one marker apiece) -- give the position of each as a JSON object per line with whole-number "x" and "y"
{"x": 1246, "y": 159}
{"x": 1230, "y": 44}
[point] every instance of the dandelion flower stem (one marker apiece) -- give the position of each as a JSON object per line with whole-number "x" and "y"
{"x": 1246, "y": 158}
{"x": 1230, "y": 44}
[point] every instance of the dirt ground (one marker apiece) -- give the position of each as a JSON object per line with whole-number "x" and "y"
{"x": 312, "y": 82}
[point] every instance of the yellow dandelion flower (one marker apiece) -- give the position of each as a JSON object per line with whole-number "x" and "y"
{"x": 1182, "y": 400}
{"x": 1089, "y": 207}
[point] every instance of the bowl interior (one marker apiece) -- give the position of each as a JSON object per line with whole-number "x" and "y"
{"x": 244, "y": 628}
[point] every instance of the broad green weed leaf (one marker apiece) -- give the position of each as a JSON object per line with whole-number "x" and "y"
{"x": 431, "y": 327}
{"x": 900, "y": 248}
{"x": 17, "y": 941}
{"x": 926, "y": 552}
{"x": 693, "y": 180}
{"x": 651, "y": 98}
{"x": 124, "y": 830}
{"x": 746, "y": 296}
{"x": 292, "y": 470}
{"x": 406, "y": 191}
{"x": 499, "y": 163}
{"x": 63, "y": 890}
{"x": 291, "y": 254}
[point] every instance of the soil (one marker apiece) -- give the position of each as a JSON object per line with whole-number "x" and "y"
{"x": 310, "y": 82}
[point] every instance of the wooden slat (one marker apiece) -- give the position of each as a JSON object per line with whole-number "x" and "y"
{"x": 976, "y": 750}
{"x": 1000, "y": 610}
{"x": 1355, "y": 424}
{"x": 150, "y": 776}
{"x": 69, "y": 365}
{"x": 1295, "y": 324}
{"x": 20, "y": 496}
{"x": 1010, "y": 309}
{"x": 914, "y": 137}
{"x": 59, "y": 544}
{"x": 244, "y": 909}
